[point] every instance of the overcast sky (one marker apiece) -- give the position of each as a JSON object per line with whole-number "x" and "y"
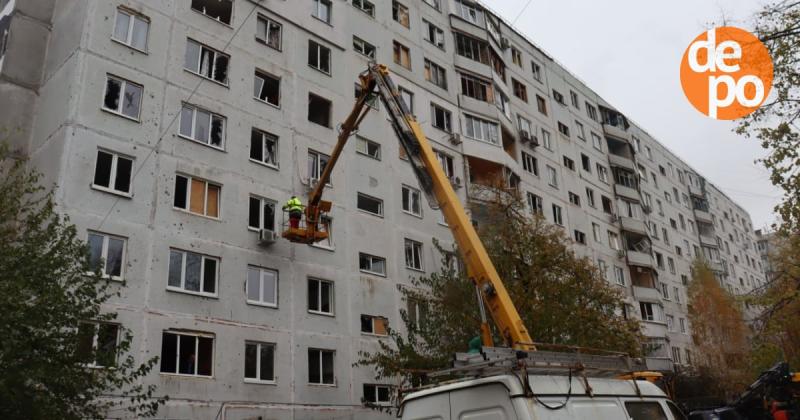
{"x": 629, "y": 52}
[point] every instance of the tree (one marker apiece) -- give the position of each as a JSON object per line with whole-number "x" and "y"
{"x": 51, "y": 299}
{"x": 719, "y": 332}
{"x": 563, "y": 299}
{"x": 775, "y": 123}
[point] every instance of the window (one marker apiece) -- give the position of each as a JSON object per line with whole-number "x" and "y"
{"x": 131, "y": 29}
{"x": 607, "y": 204}
{"x": 264, "y": 147}
{"x": 435, "y": 74}
{"x": 558, "y": 97}
{"x": 536, "y": 69}
{"x": 365, "y": 6}
{"x": 320, "y": 296}
{"x": 563, "y": 129}
{"x": 197, "y": 196}
{"x": 619, "y": 275}
{"x": 597, "y": 142}
{"x": 676, "y": 293}
{"x": 665, "y": 291}
{"x": 262, "y": 286}
{"x": 363, "y": 47}
{"x": 535, "y": 203}
{"x": 378, "y": 394}
{"x": 319, "y": 110}
{"x": 520, "y": 90}
{"x": 401, "y": 54}
{"x": 671, "y": 264}
{"x": 580, "y": 237}
{"x": 574, "y": 199}
{"x": 219, "y": 10}
{"x": 123, "y": 97}
{"x": 192, "y": 272}
{"x": 408, "y": 98}
{"x": 645, "y": 411}
{"x": 368, "y": 148}
{"x": 546, "y": 140}
{"x": 411, "y": 201}
{"x": 648, "y": 313}
{"x": 206, "y": 62}
{"x": 413, "y": 254}
{"x": 552, "y": 176}
{"x": 400, "y": 14}
{"x": 316, "y": 165}
{"x": 590, "y": 196}
{"x": 187, "y": 353}
{"x": 529, "y": 164}
{"x": 648, "y": 152}
{"x": 480, "y": 129}
{"x": 573, "y": 97}
{"x": 557, "y": 215}
{"x": 682, "y": 323}
{"x": 613, "y": 240}
{"x": 97, "y": 343}
{"x": 261, "y": 214}
{"x": 371, "y": 264}
{"x": 374, "y": 324}
{"x": 203, "y": 126}
{"x": 107, "y": 254}
{"x": 516, "y": 56}
{"x": 433, "y": 3}
{"x": 319, "y": 57}
{"x": 269, "y": 32}
{"x": 603, "y": 268}
{"x": 586, "y": 163}
{"x": 322, "y": 10}
{"x": 602, "y": 173}
{"x": 477, "y": 88}
{"x": 320, "y": 367}
{"x": 541, "y": 105}
{"x": 433, "y": 34}
{"x": 525, "y": 126}
{"x": 591, "y": 111}
{"x": 267, "y": 88}
{"x": 259, "y": 362}
{"x": 469, "y": 11}
{"x": 441, "y": 118}
{"x": 581, "y": 132}
{"x": 597, "y": 233}
{"x": 446, "y": 161}
{"x": 112, "y": 173}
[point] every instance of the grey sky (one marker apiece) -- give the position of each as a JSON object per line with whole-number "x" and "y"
{"x": 629, "y": 52}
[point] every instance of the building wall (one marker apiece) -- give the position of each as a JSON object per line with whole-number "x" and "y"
{"x": 59, "y": 96}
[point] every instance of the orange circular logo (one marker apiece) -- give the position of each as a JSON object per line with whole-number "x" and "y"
{"x": 726, "y": 73}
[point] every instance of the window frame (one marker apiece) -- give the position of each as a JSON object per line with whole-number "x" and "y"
{"x": 322, "y": 367}
{"x": 376, "y": 387}
{"x": 372, "y": 319}
{"x": 372, "y": 259}
{"x": 123, "y": 87}
{"x": 264, "y": 136}
{"x": 417, "y": 253}
{"x": 370, "y": 197}
{"x": 433, "y": 72}
{"x": 319, "y": 56}
{"x": 184, "y": 260}
{"x": 188, "y": 197}
{"x": 259, "y": 380}
{"x": 112, "y": 178}
{"x": 268, "y": 23}
{"x": 412, "y": 192}
{"x": 276, "y": 286}
{"x": 399, "y": 50}
{"x": 196, "y": 336}
{"x": 397, "y": 9}
{"x": 191, "y": 137}
{"x": 319, "y": 4}
{"x": 104, "y": 254}
{"x": 262, "y": 202}
{"x": 360, "y": 46}
{"x": 95, "y": 342}
{"x": 198, "y": 67}
{"x": 263, "y": 75}
{"x": 433, "y": 32}
{"x": 132, "y": 17}
{"x": 446, "y": 114}
{"x": 319, "y": 168}
{"x": 331, "y": 296}
{"x": 368, "y": 142}
{"x": 213, "y": 18}
{"x": 364, "y": 10}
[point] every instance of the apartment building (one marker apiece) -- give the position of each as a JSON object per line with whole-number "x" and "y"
{"x": 175, "y": 130}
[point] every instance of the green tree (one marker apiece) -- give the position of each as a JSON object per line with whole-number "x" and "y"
{"x": 775, "y": 123}
{"x": 563, "y": 299}
{"x": 47, "y": 297}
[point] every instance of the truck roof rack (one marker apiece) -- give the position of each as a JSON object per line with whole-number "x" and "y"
{"x": 498, "y": 360}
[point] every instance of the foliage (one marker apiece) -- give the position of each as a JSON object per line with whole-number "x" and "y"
{"x": 562, "y": 298}
{"x": 775, "y": 123}
{"x": 46, "y": 293}
{"x": 719, "y": 332}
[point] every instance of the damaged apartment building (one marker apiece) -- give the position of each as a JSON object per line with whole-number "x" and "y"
{"x": 175, "y": 130}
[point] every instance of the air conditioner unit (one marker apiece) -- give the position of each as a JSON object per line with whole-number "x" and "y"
{"x": 455, "y": 139}
{"x": 455, "y": 182}
{"x": 524, "y": 136}
{"x": 504, "y": 44}
{"x": 267, "y": 237}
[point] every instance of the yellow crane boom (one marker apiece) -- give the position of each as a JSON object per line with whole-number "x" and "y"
{"x": 433, "y": 181}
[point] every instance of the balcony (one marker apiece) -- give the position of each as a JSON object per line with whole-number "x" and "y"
{"x": 627, "y": 192}
{"x": 639, "y": 259}
{"x": 695, "y": 190}
{"x": 622, "y": 162}
{"x": 716, "y": 266}
{"x": 654, "y": 329}
{"x": 616, "y": 132}
{"x": 659, "y": 364}
{"x": 707, "y": 240}
{"x": 646, "y": 294}
{"x": 633, "y": 225}
{"x": 703, "y": 216}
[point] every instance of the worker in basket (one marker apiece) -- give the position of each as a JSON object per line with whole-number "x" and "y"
{"x": 295, "y": 209}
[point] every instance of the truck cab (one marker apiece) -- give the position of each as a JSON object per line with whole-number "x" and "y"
{"x": 549, "y": 397}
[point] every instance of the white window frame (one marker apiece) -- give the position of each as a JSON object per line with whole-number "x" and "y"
{"x": 447, "y": 164}
{"x": 619, "y": 275}
{"x": 268, "y": 24}
{"x": 446, "y": 114}
{"x": 397, "y": 9}
{"x": 261, "y": 76}
{"x": 363, "y": 47}
{"x": 182, "y": 288}
{"x": 558, "y": 215}
{"x": 535, "y": 203}
{"x": 363, "y": 146}
{"x": 547, "y": 140}
{"x": 95, "y": 337}
{"x": 481, "y": 129}
{"x": 266, "y": 137}
{"x": 378, "y": 401}
{"x": 196, "y": 68}
{"x": 597, "y": 141}
{"x": 319, "y": 47}
{"x": 123, "y": 87}
{"x": 104, "y": 254}
{"x": 188, "y": 197}
{"x": 360, "y": 5}
{"x": 360, "y": 194}
{"x": 414, "y": 195}
{"x": 416, "y": 254}
{"x": 212, "y": 115}
{"x": 132, "y": 18}
{"x": 372, "y": 319}
{"x": 435, "y": 74}
{"x": 433, "y": 34}
{"x": 321, "y": 367}
{"x": 112, "y": 179}
{"x": 258, "y": 379}
{"x": 323, "y": 7}
{"x": 196, "y": 336}
{"x": 552, "y": 176}
{"x": 372, "y": 259}
{"x": 263, "y": 272}
{"x": 332, "y": 296}
{"x": 262, "y": 202}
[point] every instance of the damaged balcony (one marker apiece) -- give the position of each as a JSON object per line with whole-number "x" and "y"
{"x": 638, "y": 250}
{"x": 701, "y": 210}
{"x": 626, "y": 183}
{"x": 615, "y": 125}
{"x": 631, "y": 216}
{"x": 486, "y": 176}
{"x": 707, "y": 234}
{"x": 620, "y": 154}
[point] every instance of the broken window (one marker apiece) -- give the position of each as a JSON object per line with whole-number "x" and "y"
{"x": 446, "y": 161}
{"x": 411, "y": 201}
{"x": 480, "y": 129}
{"x": 377, "y": 394}
{"x": 203, "y": 126}
{"x": 648, "y": 314}
{"x": 363, "y": 47}
{"x": 192, "y": 272}
{"x": 557, "y": 218}
{"x": 372, "y": 100}
{"x": 197, "y": 196}
{"x": 220, "y": 10}
{"x": 400, "y": 14}
{"x": 264, "y": 147}
{"x": 106, "y": 254}
{"x": 131, "y": 29}
{"x": 413, "y": 254}
{"x": 269, "y": 32}
{"x": 370, "y": 204}
{"x": 261, "y": 214}
{"x": 368, "y": 148}
{"x": 322, "y": 10}
{"x": 123, "y": 97}
{"x": 520, "y": 90}
{"x": 319, "y": 57}
{"x": 401, "y": 54}
{"x": 97, "y": 343}
{"x": 472, "y": 48}
{"x": 365, "y": 6}
{"x": 441, "y": 118}
{"x": 112, "y": 172}
{"x": 563, "y": 129}
{"x": 435, "y": 74}
{"x": 320, "y": 296}
{"x": 373, "y": 265}
{"x": 320, "y": 367}
{"x": 608, "y": 205}
{"x": 316, "y": 165}
{"x": 433, "y": 34}
{"x": 477, "y": 88}
{"x": 319, "y": 110}
{"x": 267, "y": 88}
{"x": 185, "y": 353}
{"x": 373, "y": 324}
{"x": 207, "y": 62}
{"x": 259, "y": 362}
{"x": 530, "y": 164}
{"x": 408, "y": 98}
{"x": 262, "y": 286}
{"x": 535, "y": 203}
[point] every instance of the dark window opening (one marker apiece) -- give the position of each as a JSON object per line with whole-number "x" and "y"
{"x": 319, "y": 110}
{"x": 220, "y": 10}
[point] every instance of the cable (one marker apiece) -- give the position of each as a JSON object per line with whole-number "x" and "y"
{"x": 175, "y": 118}
{"x": 521, "y": 12}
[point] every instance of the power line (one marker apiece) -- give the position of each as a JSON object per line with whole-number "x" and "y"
{"x": 175, "y": 118}
{"x": 521, "y": 11}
